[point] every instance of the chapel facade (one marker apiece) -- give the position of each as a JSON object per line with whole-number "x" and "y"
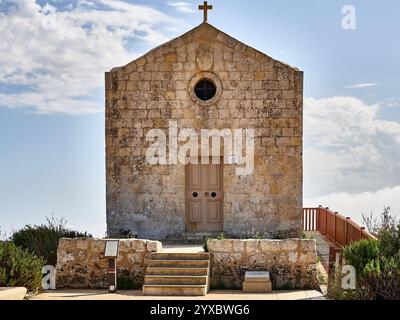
{"x": 204, "y": 82}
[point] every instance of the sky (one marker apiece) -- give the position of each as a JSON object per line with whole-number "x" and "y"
{"x": 53, "y": 55}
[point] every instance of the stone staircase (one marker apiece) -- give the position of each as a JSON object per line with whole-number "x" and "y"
{"x": 177, "y": 274}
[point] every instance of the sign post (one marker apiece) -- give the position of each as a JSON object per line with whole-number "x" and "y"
{"x": 111, "y": 253}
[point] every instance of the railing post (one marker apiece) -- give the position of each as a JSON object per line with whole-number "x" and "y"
{"x": 319, "y": 218}
{"x": 361, "y": 232}
{"x": 335, "y": 259}
{"x": 346, "y": 228}
{"x": 334, "y": 223}
{"x": 312, "y": 220}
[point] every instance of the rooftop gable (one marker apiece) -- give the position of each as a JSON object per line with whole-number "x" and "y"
{"x": 203, "y": 31}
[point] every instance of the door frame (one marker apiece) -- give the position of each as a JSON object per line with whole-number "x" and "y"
{"x": 188, "y": 227}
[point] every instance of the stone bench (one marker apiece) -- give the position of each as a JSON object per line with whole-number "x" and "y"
{"x": 17, "y": 293}
{"x": 257, "y": 282}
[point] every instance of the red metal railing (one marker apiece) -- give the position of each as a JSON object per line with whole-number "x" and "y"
{"x": 337, "y": 228}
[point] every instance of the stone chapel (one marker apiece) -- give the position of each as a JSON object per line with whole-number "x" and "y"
{"x": 204, "y": 80}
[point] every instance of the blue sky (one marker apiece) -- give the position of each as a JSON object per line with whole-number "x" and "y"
{"x": 53, "y": 55}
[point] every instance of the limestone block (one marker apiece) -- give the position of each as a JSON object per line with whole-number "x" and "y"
{"x": 257, "y": 276}
{"x": 137, "y": 246}
{"x": 252, "y": 246}
{"x": 153, "y": 246}
{"x": 293, "y": 257}
{"x": 257, "y": 259}
{"x": 257, "y": 287}
{"x": 308, "y": 245}
{"x": 135, "y": 258}
{"x": 83, "y": 244}
{"x": 290, "y": 245}
{"x": 220, "y": 246}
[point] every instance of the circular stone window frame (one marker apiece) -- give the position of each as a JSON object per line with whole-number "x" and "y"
{"x": 211, "y": 77}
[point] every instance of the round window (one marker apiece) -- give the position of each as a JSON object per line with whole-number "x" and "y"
{"x": 205, "y": 89}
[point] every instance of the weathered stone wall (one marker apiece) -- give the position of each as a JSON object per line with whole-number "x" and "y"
{"x": 291, "y": 263}
{"x": 81, "y": 263}
{"x": 255, "y": 92}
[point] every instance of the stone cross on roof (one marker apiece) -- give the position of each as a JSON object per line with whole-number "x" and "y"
{"x": 205, "y": 7}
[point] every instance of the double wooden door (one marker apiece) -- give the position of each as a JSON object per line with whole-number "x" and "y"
{"x": 204, "y": 197}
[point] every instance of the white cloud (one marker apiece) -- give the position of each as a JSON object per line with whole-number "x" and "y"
{"x": 53, "y": 60}
{"x": 361, "y": 85}
{"x": 354, "y": 205}
{"x": 348, "y": 148}
{"x": 183, "y": 7}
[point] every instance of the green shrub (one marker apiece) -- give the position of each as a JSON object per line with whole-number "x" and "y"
{"x": 360, "y": 253}
{"x": 205, "y": 244}
{"x": 336, "y": 291}
{"x": 43, "y": 240}
{"x": 390, "y": 241}
{"x": 127, "y": 283}
{"x": 382, "y": 278}
{"x": 377, "y": 263}
{"x": 20, "y": 268}
{"x": 221, "y": 236}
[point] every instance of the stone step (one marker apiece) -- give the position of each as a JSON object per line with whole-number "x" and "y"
{"x": 175, "y": 280}
{"x": 174, "y": 290}
{"x": 179, "y": 263}
{"x": 192, "y": 238}
{"x": 180, "y": 256}
{"x": 177, "y": 271}
{"x": 177, "y": 274}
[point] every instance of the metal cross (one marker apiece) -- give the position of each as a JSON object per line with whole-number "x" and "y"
{"x": 205, "y": 8}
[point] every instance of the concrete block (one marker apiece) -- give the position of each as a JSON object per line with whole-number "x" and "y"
{"x": 257, "y": 287}
{"x": 257, "y": 276}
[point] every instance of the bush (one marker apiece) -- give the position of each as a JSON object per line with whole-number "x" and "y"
{"x": 336, "y": 291}
{"x": 360, "y": 253}
{"x": 43, "y": 240}
{"x": 390, "y": 241}
{"x": 127, "y": 283}
{"x": 382, "y": 278}
{"x": 205, "y": 245}
{"x": 20, "y": 268}
{"x": 377, "y": 263}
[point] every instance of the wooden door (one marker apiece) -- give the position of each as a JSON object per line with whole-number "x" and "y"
{"x": 204, "y": 198}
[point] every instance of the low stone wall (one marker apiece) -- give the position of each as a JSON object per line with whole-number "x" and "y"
{"x": 81, "y": 263}
{"x": 292, "y": 263}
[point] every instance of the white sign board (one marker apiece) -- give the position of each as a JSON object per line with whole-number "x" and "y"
{"x": 111, "y": 250}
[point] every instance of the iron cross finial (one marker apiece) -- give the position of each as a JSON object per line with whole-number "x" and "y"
{"x": 205, "y": 7}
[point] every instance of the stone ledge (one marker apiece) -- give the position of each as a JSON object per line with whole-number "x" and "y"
{"x": 17, "y": 293}
{"x": 81, "y": 263}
